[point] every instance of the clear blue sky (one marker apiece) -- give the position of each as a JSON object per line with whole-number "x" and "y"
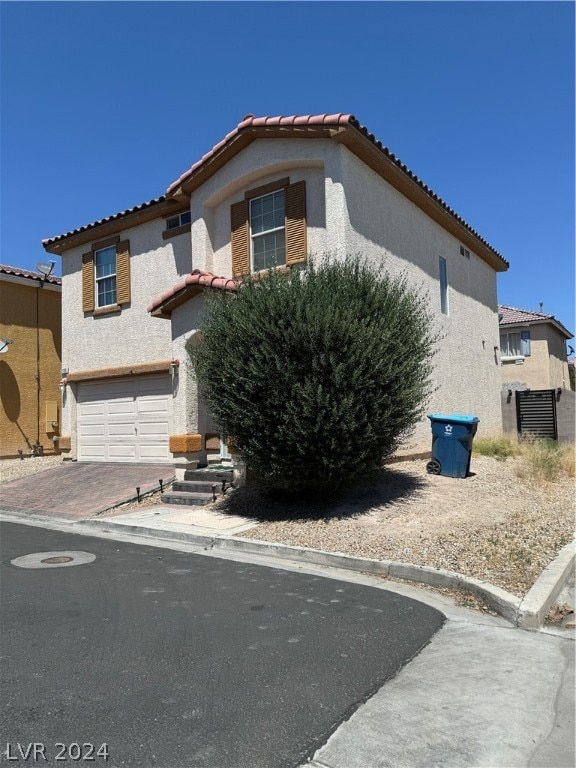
{"x": 104, "y": 104}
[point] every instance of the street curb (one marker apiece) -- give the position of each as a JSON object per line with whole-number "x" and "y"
{"x": 538, "y": 601}
{"x": 503, "y": 603}
{"x": 528, "y": 612}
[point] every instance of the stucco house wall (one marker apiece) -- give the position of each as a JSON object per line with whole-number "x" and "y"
{"x": 546, "y": 367}
{"x": 30, "y": 316}
{"x": 132, "y": 336}
{"x": 390, "y": 230}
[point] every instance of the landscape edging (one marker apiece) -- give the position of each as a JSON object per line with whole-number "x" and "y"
{"x": 540, "y": 598}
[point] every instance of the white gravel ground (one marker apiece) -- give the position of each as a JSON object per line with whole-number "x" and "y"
{"x": 12, "y": 469}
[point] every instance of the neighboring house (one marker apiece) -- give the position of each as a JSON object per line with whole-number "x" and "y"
{"x": 30, "y": 335}
{"x": 272, "y": 192}
{"x": 533, "y": 349}
{"x": 572, "y": 372}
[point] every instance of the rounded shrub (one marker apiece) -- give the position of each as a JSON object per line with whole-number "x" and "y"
{"x": 318, "y": 373}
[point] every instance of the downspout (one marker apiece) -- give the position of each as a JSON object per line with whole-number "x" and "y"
{"x": 38, "y": 448}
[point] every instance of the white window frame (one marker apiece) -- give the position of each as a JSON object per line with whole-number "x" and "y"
{"x": 268, "y": 231}
{"x": 179, "y": 220}
{"x": 106, "y": 277}
{"x": 443, "y": 276}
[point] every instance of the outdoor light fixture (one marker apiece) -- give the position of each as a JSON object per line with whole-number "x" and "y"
{"x": 509, "y": 393}
{"x": 4, "y": 344}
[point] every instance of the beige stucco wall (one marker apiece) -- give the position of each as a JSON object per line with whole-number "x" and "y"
{"x": 384, "y": 226}
{"x": 133, "y": 335}
{"x": 546, "y": 367}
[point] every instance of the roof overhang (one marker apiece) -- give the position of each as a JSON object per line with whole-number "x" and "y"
{"x": 544, "y": 321}
{"x": 192, "y": 285}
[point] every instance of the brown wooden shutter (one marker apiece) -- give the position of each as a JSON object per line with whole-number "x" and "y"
{"x": 296, "y": 223}
{"x": 240, "y": 238}
{"x": 123, "y": 272}
{"x": 88, "y": 282}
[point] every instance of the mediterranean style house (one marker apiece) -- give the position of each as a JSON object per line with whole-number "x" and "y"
{"x": 274, "y": 191}
{"x": 533, "y": 349}
{"x": 30, "y": 347}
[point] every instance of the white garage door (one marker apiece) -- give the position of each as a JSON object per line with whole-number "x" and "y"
{"x": 125, "y": 419}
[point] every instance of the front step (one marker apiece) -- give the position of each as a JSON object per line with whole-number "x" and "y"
{"x": 198, "y": 487}
{"x": 214, "y": 475}
{"x": 187, "y": 499}
{"x": 195, "y": 486}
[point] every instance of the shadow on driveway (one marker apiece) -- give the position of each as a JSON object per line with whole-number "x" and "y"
{"x": 81, "y": 489}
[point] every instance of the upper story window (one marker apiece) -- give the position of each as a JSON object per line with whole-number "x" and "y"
{"x": 443, "y": 285}
{"x": 464, "y": 252}
{"x": 515, "y": 344}
{"x": 105, "y": 276}
{"x": 267, "y": 231}
{"x": 179, "y": 220}
{"x": 269, "y": 227}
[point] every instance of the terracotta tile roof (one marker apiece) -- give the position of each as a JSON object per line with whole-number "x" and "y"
{"x": 257, "y": 122}
{"x": 248, "y": 125}
{"x": 17, "y": 272}
{"x": 180, "y": 291}
{"x": 50, "y": 240}
{"x": 510, "y": 315}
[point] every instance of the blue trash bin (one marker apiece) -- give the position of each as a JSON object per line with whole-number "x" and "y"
{"x": 452, "y": 436}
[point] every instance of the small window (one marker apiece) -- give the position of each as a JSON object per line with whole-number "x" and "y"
{"x": 267, "y": 231}
{"x": 177, "y": 221}
{"x": 464, "y": 252}
{"x": 515, "y": 344}
{"x": 105, "y": 276}
{"x": 443, "y": 285}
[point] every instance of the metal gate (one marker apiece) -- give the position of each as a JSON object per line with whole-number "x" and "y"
{"x": 536, "y": 412}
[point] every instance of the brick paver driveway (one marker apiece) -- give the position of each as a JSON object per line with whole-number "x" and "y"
{"x": 81, "y": 489}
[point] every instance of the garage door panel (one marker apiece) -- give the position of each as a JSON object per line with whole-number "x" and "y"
{"x": 122, "y": 429}
{"x": 122, "y": 452}
{"x": 151, "y": 453}
{"x": 152, "y": 428}
{"x": 125, "y": 420}
{"x": 122, "y": 407}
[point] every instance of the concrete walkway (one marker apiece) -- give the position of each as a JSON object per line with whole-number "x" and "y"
{"x": 81, "y": 489}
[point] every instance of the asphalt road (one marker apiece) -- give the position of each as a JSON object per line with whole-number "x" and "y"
{"x": 178, "y": 660}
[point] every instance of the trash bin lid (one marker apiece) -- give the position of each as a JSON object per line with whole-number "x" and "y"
{"x": 461, "y": 418}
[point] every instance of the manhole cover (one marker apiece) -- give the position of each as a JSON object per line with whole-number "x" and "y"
{"x": 53, "y": 559}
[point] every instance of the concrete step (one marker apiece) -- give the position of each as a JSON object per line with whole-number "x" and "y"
{"x": 206, "y": 475}
{"x": 187, "y": 499}
{"x": 197, "y": 486}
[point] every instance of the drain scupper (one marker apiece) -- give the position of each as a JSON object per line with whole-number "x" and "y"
{"x": 53, "y": 559}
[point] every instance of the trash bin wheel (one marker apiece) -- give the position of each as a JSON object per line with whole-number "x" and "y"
{"x": 433, "y": 467}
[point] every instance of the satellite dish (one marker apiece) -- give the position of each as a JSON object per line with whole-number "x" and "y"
{"x": 46, "y": 267}
{"x": 4, "y": 344}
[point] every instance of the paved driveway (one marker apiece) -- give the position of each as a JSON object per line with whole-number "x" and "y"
{"x": 81, "y": 489}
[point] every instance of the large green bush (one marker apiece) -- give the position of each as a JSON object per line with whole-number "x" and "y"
{"x": 319, "y": 373}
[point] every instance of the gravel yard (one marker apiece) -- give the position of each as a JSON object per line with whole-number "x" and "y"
{"x": 13, "y": 469}
{"x": 492, "y": 525}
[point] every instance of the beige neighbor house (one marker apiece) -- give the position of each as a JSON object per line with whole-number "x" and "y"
{"x": 533, "y": 349}
{"x": 273, "y": 191}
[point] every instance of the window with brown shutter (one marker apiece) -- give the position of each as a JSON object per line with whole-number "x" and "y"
{"x": 268, "y": 227}
{"x": 106, "y": 276}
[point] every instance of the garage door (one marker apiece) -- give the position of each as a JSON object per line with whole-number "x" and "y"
{"x": 125, "y": 419}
